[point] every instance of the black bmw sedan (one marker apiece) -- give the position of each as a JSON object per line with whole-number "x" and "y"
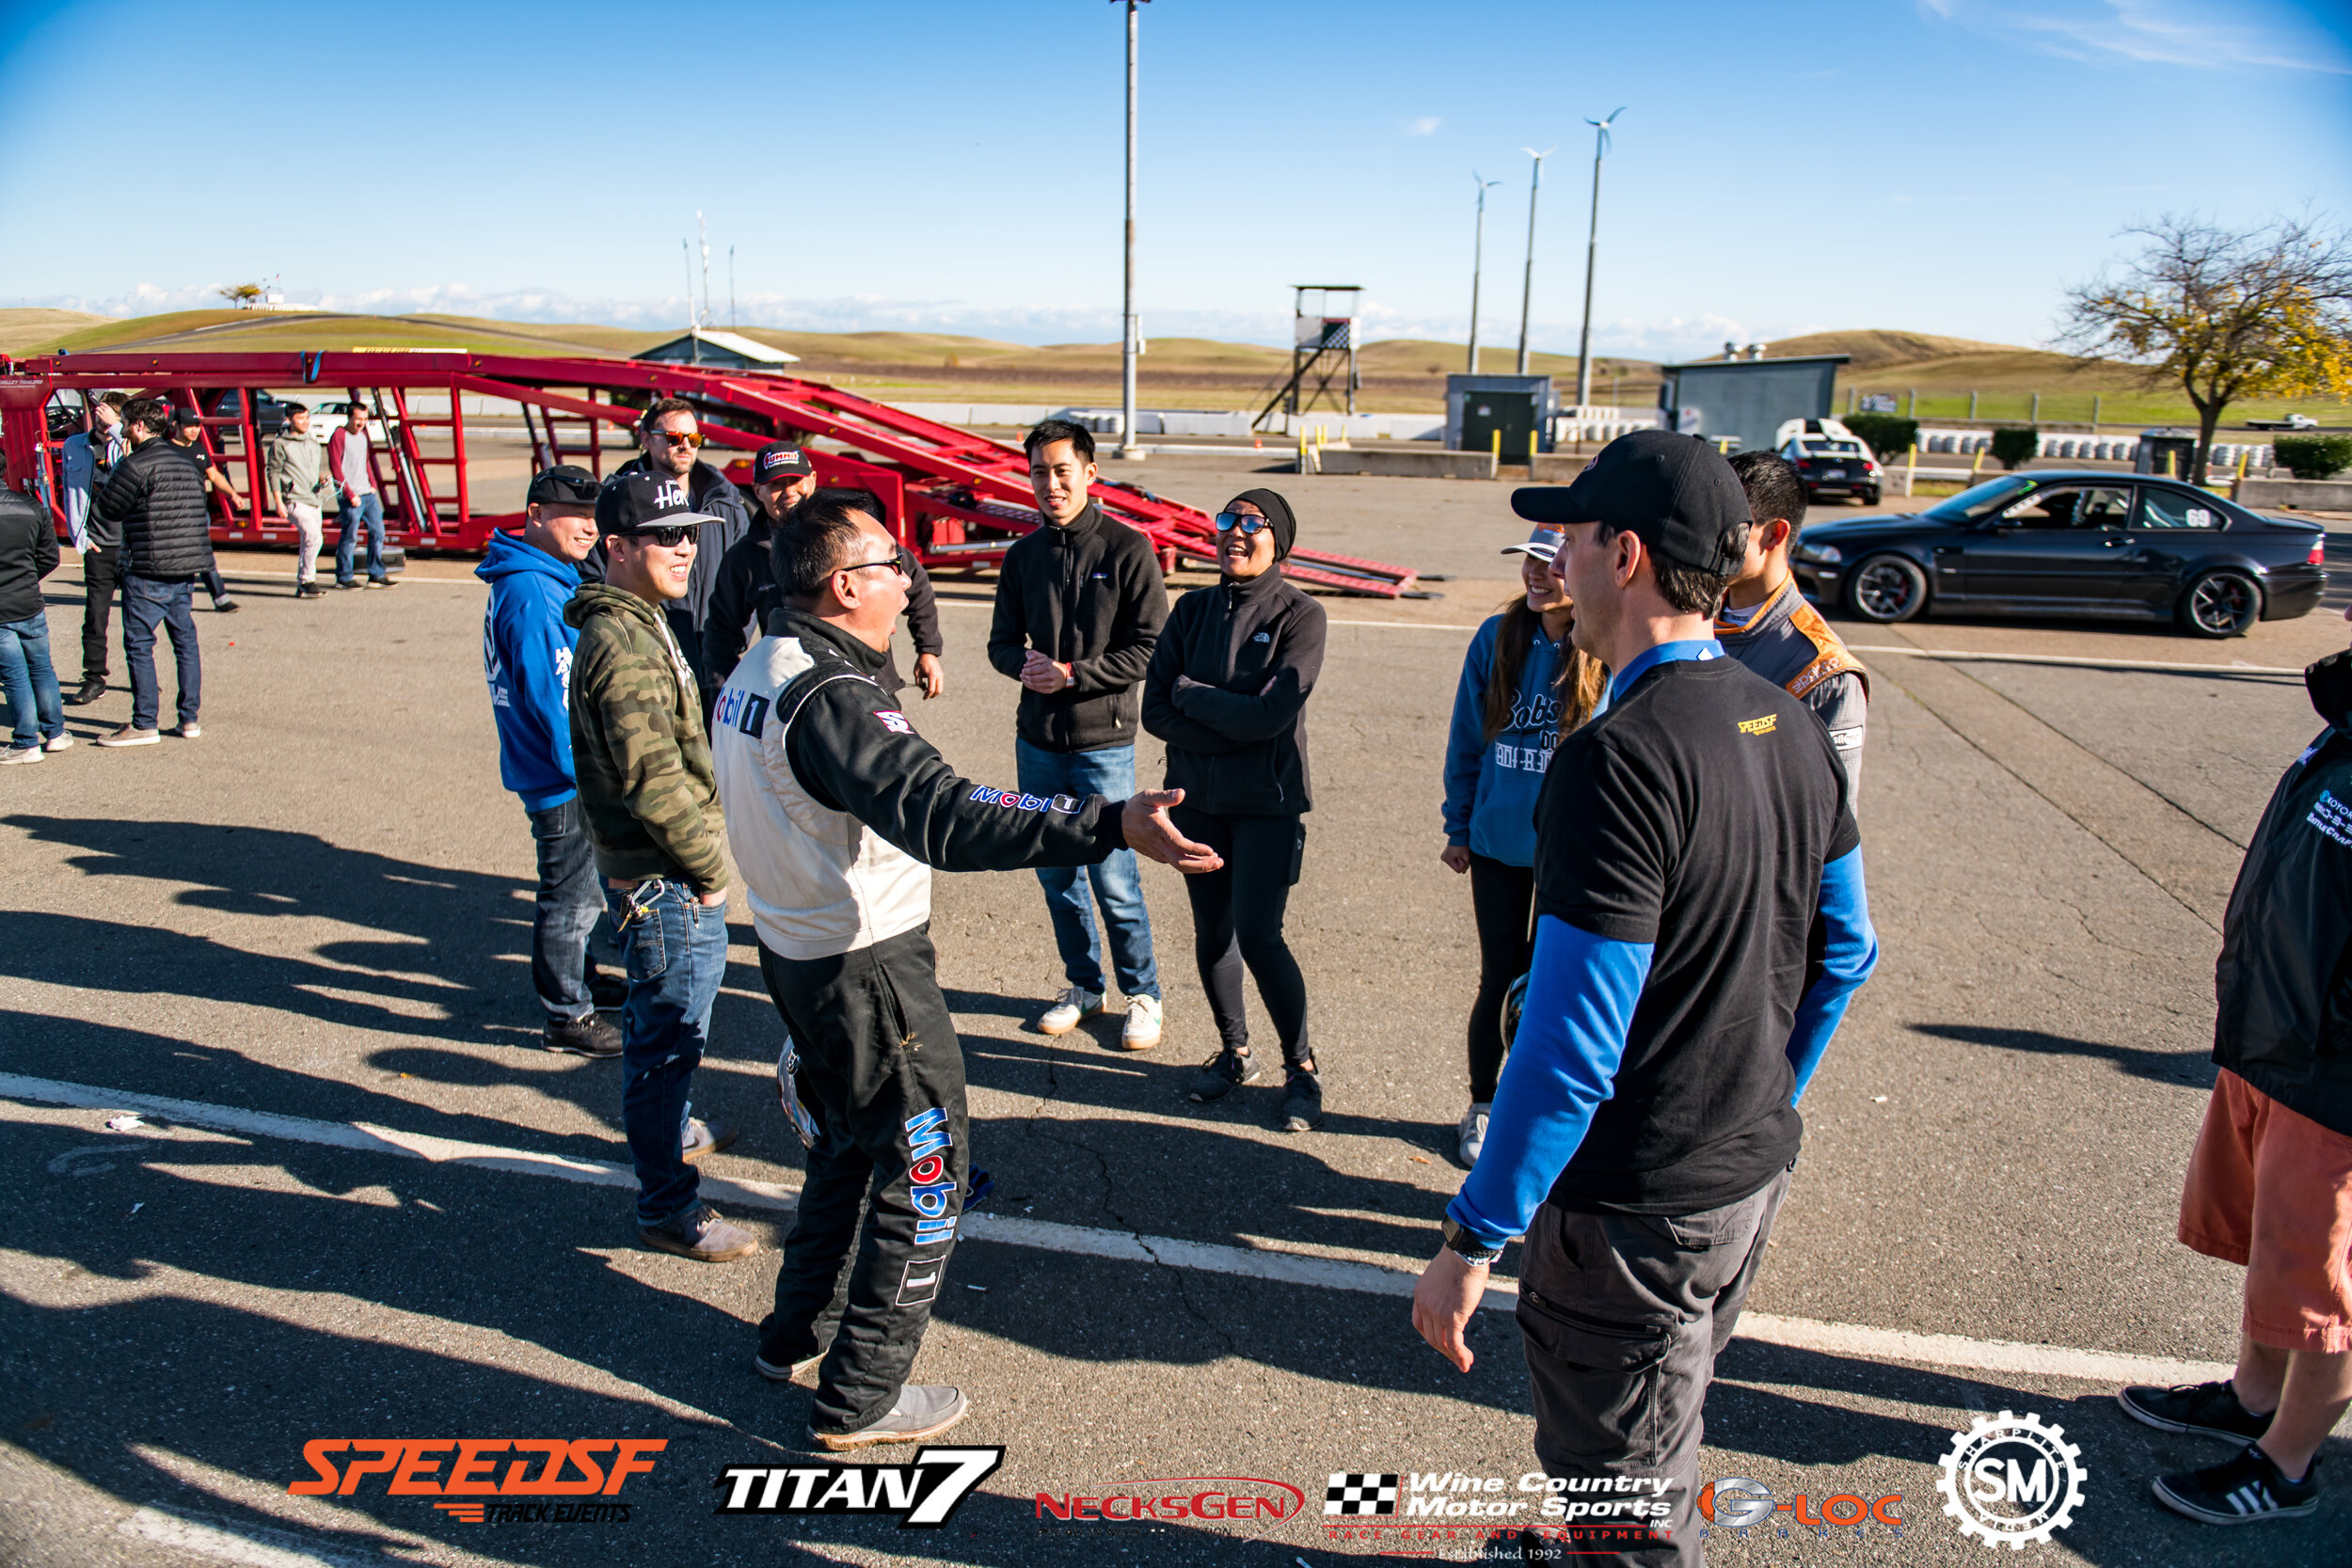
{"x": 2054, "y": 543}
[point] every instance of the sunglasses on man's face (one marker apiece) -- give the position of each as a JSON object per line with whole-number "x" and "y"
{"x": 1247, "y": 522}
{"x": 688, "y": 439}
{"x": 668, "y": 538}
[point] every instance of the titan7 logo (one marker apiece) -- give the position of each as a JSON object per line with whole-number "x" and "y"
{"x": 924, "y": 1495}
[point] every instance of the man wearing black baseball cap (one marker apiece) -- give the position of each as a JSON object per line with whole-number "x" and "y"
{"x": 651, "y": 806}
{"x": 1701, "y": 924}
{"x": 527, "y": 658}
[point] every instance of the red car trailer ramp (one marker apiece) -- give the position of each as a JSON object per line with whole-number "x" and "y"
{"x": 956, "y": 498}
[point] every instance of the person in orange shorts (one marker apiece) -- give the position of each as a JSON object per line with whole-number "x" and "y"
{"x": 2270, "y": 1182}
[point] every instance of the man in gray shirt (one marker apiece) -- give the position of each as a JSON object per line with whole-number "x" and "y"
{"x": 1766, "y": 625}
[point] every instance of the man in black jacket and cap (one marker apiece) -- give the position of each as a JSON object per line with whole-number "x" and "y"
{"x": 673, "y": 436}
{"x": 1079, "y": 607}
{"x": 2269, "y": 1183}
{"x": 157, "y": 497}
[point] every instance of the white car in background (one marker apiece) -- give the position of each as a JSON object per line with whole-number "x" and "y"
{"x": 1830, "y": 459}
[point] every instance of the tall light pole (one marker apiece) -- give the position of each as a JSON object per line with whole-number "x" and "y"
{"x": 1592, "y": 254}
{"x": 1527, "y": 285}
{"x": 1478, "y": 255}
{"x": 1130, "y": 334}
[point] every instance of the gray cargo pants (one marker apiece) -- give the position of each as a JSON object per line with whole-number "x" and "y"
{"x": 1623, "y": 1316}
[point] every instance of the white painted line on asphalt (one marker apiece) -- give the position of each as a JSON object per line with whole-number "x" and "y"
{"x": 1938, "y": 1350}
{"x": 2070, "y": 659}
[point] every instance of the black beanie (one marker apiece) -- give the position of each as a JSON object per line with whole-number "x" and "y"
{"x": 1277, "y": 512}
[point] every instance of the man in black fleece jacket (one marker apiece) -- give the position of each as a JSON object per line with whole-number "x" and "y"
{"x": 158, "y": 498}
{"x": 1079, "y": 607}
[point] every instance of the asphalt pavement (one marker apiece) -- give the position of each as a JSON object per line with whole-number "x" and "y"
{"x": 374, "y": 1210}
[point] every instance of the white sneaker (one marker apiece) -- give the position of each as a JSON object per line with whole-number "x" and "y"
{"x": 57, "y": 743}
{"x": 1143, "y": 1023}
{"x": 1063, "y": 1016}
{"x": 16, "y": 755}
{"x": 1473, "y": 1130}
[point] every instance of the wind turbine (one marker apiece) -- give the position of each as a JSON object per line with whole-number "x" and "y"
{"x": 1592, "y": 254}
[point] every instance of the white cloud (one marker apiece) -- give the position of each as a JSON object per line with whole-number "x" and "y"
{"x": 1425, "y": 125}
{"x": 2243, "y": 35}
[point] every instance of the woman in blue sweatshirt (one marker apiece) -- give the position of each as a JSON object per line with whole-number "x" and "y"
{"x": 1523, "y": 687}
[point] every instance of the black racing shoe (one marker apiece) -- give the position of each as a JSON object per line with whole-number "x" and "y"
{"x": 2245, "y": 1490}
{"x": 593, "y": 1035}
{"x": 2206, "y": 1409}
{"x": 91, "y": 688}
{"x": 1221, "y": 1074}
{"x": 1302, "y": 1101}
{"x": 924, "y": 1410}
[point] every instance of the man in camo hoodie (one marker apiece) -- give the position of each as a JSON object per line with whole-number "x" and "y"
{"x": 642, "y": 763}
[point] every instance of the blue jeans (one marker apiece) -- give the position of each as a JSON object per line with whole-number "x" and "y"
{"x": 145, "y": 604}
{"x": 368, "y": 512}
{"x": 35, "y": 705}
{"x": 674, "y": 951}
{"x": 1117, "y": 884}
{"x": 569, "y": 918}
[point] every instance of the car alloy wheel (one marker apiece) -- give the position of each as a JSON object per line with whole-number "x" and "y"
{"x": 1886, "y": 588}
{"x": 2221, "y": 604}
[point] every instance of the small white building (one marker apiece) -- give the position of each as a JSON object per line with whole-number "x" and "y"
{"x": 723, "y": 351}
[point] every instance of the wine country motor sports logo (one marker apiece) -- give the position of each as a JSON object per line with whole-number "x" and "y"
{"x": 464, "y": 1472}
{"x": 1737, "y": 1503}
{"x": 1359, "y": 1492}
{"x": 1211, "y": 1497}
{"x": 924, "y": 1495}
{"x": 2011, "y": 1478}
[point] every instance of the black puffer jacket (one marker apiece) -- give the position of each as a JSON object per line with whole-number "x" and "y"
{"x": 28, "y": 552}
{"x": 1228, "y": 692}
{"x": 2285, "y": 981}
{"x": 158, "y": 497}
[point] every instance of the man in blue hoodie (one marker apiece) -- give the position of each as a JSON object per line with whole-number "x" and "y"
{"x": 527, "y": 657}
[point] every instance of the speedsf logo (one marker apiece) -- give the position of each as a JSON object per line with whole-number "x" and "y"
{"x": 924, "y": 1495}
{"x": 467, "y": 1470}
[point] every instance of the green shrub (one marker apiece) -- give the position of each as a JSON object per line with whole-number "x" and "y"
{"x": 2313, "y": 456}
{"x": 1887, "y": 436}
{"x": 2013, "y": 444}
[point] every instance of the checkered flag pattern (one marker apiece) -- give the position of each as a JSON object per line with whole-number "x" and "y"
{"x": 1352, "y": 1493}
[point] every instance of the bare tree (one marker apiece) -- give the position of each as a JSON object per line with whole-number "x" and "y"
{"x": 2223, "y": 314}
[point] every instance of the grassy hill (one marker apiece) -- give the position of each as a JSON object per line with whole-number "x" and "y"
{"x": 1937, "y": 374}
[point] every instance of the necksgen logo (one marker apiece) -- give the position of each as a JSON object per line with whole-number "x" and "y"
{"x": 536, "y": 1467}
{"x": 925, "y": 1495}
{"x": 1218, "y": 1498}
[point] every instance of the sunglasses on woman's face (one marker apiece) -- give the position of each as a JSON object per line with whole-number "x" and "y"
{"x": 1247, "y": 522}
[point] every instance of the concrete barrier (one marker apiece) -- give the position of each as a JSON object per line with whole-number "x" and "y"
{"x": 1404, "y": 464}
{"x": 2307, "y": 494}
{"x": 1555, "y": 467}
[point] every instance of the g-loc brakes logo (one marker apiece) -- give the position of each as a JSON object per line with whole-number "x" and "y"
{"x": 1994, "y": 1496}
{"x": 925, "y": 1495}
{"x": 1735, "y": 1502}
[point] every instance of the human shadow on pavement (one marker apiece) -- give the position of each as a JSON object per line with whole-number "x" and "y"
{"x": 2163, "y": 1067}
{"x": 282, "y": 1315}
{"x": 1749, "y": 1411}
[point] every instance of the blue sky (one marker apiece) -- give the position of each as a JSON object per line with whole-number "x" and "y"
{"x": 1944, "y": 165}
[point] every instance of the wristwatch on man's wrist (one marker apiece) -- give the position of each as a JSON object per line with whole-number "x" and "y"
{"x": 1477, "y": 1254}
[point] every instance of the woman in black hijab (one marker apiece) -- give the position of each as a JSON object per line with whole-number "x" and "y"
{"x": 1228, "y": 692}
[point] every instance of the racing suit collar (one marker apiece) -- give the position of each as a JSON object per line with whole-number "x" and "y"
{"x": 1726, "y": 627}
{"x": 789, "y": 622}
{"x": 1699, "y": 648}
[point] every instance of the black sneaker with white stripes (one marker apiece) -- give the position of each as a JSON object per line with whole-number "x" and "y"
{"x": 2244, "y": 1491}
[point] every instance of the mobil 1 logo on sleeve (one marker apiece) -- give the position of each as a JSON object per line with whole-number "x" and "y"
{"x": 923, "y": 1496}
